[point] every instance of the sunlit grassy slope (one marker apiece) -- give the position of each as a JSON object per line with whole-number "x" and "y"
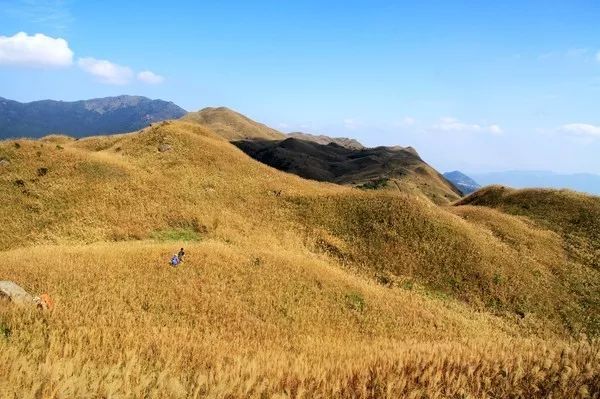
{"x": 291, "y": 288}
{"x": 574, "y": 216}
{"x": 232, "y": 125}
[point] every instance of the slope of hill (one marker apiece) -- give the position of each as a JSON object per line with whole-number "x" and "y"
{"x": 463, "y": 182}
{"x": 232, "y": 125}
{"x": 584, "y": 182}
{"x": 83, "y": 118}
{"x": 574, "y": 216}
{"x": 322, "y": 139}
{"x": 395, "y": 168}
{"x": 290, "y": 287}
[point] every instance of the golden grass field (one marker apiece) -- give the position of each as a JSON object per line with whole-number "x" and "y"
{"x": 290, "y": 288}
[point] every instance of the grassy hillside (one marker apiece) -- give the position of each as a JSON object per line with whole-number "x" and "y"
{"x": 232, "y": 125}
{"x": 392, "y": 168}
{"x": 291, "y": 287}
{"x": 575, "y": 216}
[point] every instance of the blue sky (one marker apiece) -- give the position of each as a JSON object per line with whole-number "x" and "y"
{"x": 476, "y": 86}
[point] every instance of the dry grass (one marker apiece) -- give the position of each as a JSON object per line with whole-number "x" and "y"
{"x": 232, "y": 125}
{"x": 224, "y": 325}
{"x": 290, "y": 288}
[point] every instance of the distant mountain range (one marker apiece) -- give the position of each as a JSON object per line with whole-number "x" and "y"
{"x": 584, "y": 182}
{"x": 463, "y": 182}
{"x": 83, "y": 118}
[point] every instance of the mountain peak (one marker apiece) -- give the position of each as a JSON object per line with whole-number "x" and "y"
{"x": 463, "y": 182}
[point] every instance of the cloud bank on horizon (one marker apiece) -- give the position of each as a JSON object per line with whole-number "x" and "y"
{"x": 40, "y": 51}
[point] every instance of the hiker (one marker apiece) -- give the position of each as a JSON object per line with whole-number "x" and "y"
{"x": 174, "y": 260}
{"x": 180, "y": 255}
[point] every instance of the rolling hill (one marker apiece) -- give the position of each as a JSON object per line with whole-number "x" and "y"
{"x": 291, "y": 287}
{"x": 232, "y": 125}
{"x": 584, "y": 182}
{"x": 394, "y": 168}
{"x": 82, "y": 118}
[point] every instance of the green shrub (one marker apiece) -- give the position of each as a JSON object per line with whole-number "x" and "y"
{"x": 177, "y": 234}
{"x": 5, "y": 330}
{"x": 355, "y": 301}
{"x": 374, "y": 184}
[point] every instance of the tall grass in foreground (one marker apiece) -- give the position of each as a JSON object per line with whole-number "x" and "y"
{"x": 225, "y": 326}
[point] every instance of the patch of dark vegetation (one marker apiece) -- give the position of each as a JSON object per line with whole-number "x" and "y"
{"x": 42, "y": 171}
{"x": 385, "y": 280}
{"x": 192, "y": 224}
{"x": 375, "y": 184}
{"x": 59, "y": 147}
{"x": 497, "y": 279}
{"x": 331, "y": 249}
{"x": 181, "y": 229}
{"x": 19, "y": 183}
{"x": 5, "y": 330}
{"x": 101, "y": 170}
{"x": 355, "y": 301}
{"x": 177, "y": 234}
{"x": 17, "y": 145}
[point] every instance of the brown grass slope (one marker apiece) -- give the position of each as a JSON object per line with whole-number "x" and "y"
{"x": 575, "y": 216}
{"x": 232, "y": 125}
{"x": 309, "y": 156}
{"x": 291, "y": 288}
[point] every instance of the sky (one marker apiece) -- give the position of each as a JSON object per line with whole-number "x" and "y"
{"x": 472, "y": 85}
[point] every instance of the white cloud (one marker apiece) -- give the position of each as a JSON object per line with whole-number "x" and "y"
{"x": 106, "y": 71}
{"x": 449, "y": 124}
{"x": 150, "y": 77}
{"x": 598, "y": 56}
{"x": 495, "y": 129}
{"x": 36, "y": 50}
{"x": 581, "y": 129}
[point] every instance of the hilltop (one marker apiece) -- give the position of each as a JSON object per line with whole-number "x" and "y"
{"x": 584, "y": 182}
{"x": 290, "y": 287}
{"x": 232, "y": 125}
{"x": 82, "y": 118}
{"x": 322, "y": 139}
{"x": 392, "y": 168}
{"x": 323, "y": 158}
